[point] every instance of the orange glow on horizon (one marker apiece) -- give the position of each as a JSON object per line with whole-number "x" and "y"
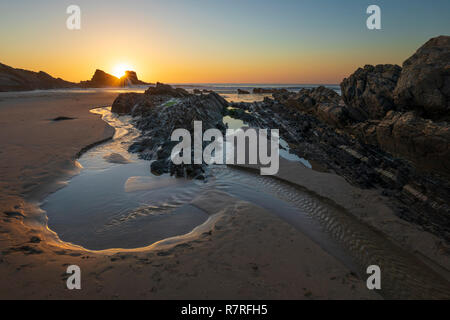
{"x": 119, "y": 70}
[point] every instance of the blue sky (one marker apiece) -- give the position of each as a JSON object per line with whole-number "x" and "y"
{"x": 214, "y": 40}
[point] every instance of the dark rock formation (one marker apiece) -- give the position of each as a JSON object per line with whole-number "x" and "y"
{"x": 101, "y": 79}
{"x": 240, "y": 91}
{"x": 12, "y": 79}
{"x": 370, "y": 90}
{"x": 335, "y": 115}
{"x": 161, "y": 110}
{"x": 125, "y": 102}
{"x": 322, "y": 102}
{"x": 269, "y": 90}
{"x": 424, "y": 83}
{"x": 130, "y": 79}
{"x": 306, "y": 99}
{"x": 167, "y": 90}
{"x": 422, "y": 141}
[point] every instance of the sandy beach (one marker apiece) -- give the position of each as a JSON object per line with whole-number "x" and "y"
{"x": 224, "y": 158}
{"x": 242, "y": 251}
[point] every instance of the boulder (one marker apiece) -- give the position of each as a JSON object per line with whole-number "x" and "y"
{"x": 240, "y": 91}
{"x": 370, "y": 90}
{"x": 157, "y": 114}
{"x": 334, "y": 115}
{"x": 125, "y": 102}
{"x": 407, "y": 135}
{"x": 167, "y": 90}
{"x": 424, "y": 83}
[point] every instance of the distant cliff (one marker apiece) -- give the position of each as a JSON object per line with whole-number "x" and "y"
{"x": 12, "y": 79}
{"x": 102, "y": 79}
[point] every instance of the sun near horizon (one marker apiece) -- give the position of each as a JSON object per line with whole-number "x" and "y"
{"x": 120, "y": 69}
{"x": 288, "y": 42}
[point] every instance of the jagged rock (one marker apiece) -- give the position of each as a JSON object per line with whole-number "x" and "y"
{"x": 322, "y": 102}
{"x": 101, "y": 79}
{"x": 322, "y": 94}
{"x": 240, "y": 91}
{"x": 426, "y": 194}
{"x": 370, "y": 90}
{"x": 269, "y": 90}
{"x": 161, "y": 110}
{"x": 307, "y": 99}
{"x": 332, "y": 114}
{"x": 159, "y": 167}
{"x": 167, "y": 90}
{"x": 12, "y": 79}
{"x": 130, "y": 79}
{"x": 407, "y": 135}
{"x": 125, "y": 102}
{"x": 424, "y": 83}
{"x": 366, "y": 131}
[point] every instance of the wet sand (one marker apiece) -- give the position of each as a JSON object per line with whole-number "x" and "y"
{"x": 242, "y": 252}
{"x": 369, "y": 207}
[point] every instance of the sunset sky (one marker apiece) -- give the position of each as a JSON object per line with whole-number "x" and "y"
{"x": 216, "y": 41}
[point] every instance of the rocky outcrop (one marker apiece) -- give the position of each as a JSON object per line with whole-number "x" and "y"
{"x": 12, "y": 79}
{"x": 130, "y": 79}
{"x": 419, "y": 196}
{"x": 332, "y": 114}
{"x": 399, "y": 104}
{"x": 321, "y": 102}
{"x": 390, "y": 131}
{"x": 125, "y": 102}
{"x": 307, "y": 99}
{"x": 166, "y": 90}
{"x": 419, "y": 91}
{"x": 269, "y": 90}
{"x": 370, "y": 90}
{"x": 101, "y": 79}
{"x": 240, "y": 91}
{"x": 407, "y": 135}
{"x": 161, "y": 110}
{"x": 424, "y": 83}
